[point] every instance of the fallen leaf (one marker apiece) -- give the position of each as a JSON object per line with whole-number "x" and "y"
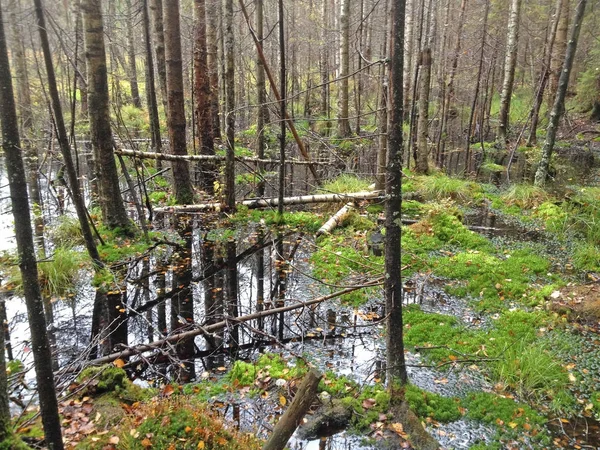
{"x": 114, "y": 440}
{"x": 368, "y": 403}
{"x": 146, "y": 443}
{"x": 282, "y": 400}
{"x": 119, "y": 363}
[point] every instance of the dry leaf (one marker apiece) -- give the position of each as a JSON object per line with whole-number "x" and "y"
{"x": 282, "y": 400}
{"x": 119, "y": 363}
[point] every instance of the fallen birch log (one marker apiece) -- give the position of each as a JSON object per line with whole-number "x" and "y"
{"x": 169, "y": 157}
{"x": 337, "y": 219}
{"x": 178, "y": 337}
{"x": 272, "y": 202}
{"x": 292, "y": 417}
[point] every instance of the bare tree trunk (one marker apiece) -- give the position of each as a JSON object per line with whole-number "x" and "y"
{"x": 156, "y": 7}
{"x": 213, "y": 8}
{"x": 409, "y": 39}
{"x": 510, "y": 63}
{"x": 27, "y": 260}
{"x": 324, "y": 62}
{"x": 282, "y": 110}
{"x": 560, "y": 47}
{"x": 229, "y": 191}
{"x": 343, "y": 121}
{"x": 544, "y": 75}
{"x": 80, "y": 69}
{"x": 151, "y": 86}
{"x": 111, "y": 201}
{"x": 383, "y": 111}
{"x": 20, "y": 67}
{"x": 449, "y": 99}
{"x": 202, "y": 105}
{"x": 262, "y": 112}
{"x": 477, "y": 87}
{"x": 176, "y": 112}
{"x": 559, "y": 102}
{"x": 422, "y": 163}
{"x": 396, "y": 365}
{"x": 133, "y": 81}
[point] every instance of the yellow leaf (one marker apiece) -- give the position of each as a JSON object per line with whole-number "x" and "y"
{"x": 282, "y": 400}
{"x": 188, "y": 429}
{"x": 200, "y": 445}
{"x": 512, "y": 424}
{"x": 119, "y": 363}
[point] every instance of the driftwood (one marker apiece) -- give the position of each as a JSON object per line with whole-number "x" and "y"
{"x": 248, "y": 159}
{"x": 337, "y": 219}
{"x": 290, "y": 420}
{"x": 198, "y": 330}
{"x": 272, "y": 202}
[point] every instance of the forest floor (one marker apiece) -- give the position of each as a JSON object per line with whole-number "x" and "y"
{"x": 502, "y": 330}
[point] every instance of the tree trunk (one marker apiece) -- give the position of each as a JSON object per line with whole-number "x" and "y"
{"x": 213, "y": 8}
{"x": 544, "y": 75}
{"x": 229, "y": 191}
{"x": 156, "y": 140}
{"x": 396, "y": 365}
{"x": 343, "y": 120}
{"x": 156, "y": 7}
{"x": 202, "y": 104}
{"x": 184, "y": 192}
{"x": 422, "y": 162}
{"x": 559, "y": 101}
{"x": 324, "y": 62}
{"x": 409, "y": 37}
{"x": 133, "y": 81}
{"x": 477, "y": 87}
{"x": 282, "y": 110}
{"x": 559, "y": 49}
{"x": 111, "y": 201}
{"x": 262, "y": 111}
{"x": 20, "y": 67}
{"x": 449, "y": 98}
{"x": 63, "y": 141}
{"x": 510, "y": 63}
{"x": 80, "y": 68}
{"x": 27, "y": 260}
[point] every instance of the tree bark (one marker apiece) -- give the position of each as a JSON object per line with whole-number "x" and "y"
{"x": 212, "y": 8}
{"x": 156, "y": 140}
{"x": 26, "y": 253}
{"x": 111, "y": 201}
{"x": 544, "y": 75}
{"x": 184, "y": 192}
{"x": 202, "y": 104}
{"x": 229, "y": 191}
{"x": 156, "y": 8}
{"x": 510, "y": 64}
{"x": 559, "y": 101}
{"x": 559, "y": 49}
{"x": 131, "y": 59}
{"x": 422, "y": 162}
{"x": 262, "y": 111}
{"x": 291, "y": 419}
{"x": 282, "y": 110}
{"x": 396, "y": 365}
{"x": 343, "y": 120}
{"x": 63, "y": 140}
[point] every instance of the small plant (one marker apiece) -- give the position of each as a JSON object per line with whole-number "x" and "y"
{"x": 66, "y": 232}
{"x": 345, "y": 184}
{"x": 525, "y": 196}
{"x": 530, "y": 370}
{"x": 440, "y": 187}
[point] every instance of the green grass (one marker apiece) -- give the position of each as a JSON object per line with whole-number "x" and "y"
{"x": 345, "y": 184}
{"x": 525, "y": 196}
{"x": 440, "y": 187}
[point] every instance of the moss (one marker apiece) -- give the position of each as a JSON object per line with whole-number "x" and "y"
{"x": 503, "y": 412}
{"x": 111, "y": 379}
{"x": 13, "y": 443}
{"x": 429, "y": 405}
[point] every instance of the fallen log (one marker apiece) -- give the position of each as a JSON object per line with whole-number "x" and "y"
{"x": 249, "y": 159}
{"x": 292, "y": 417}
{"x": 337, "y": 219}
{"x": 178, "y": 337}
{"x": 273, "y": 202}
